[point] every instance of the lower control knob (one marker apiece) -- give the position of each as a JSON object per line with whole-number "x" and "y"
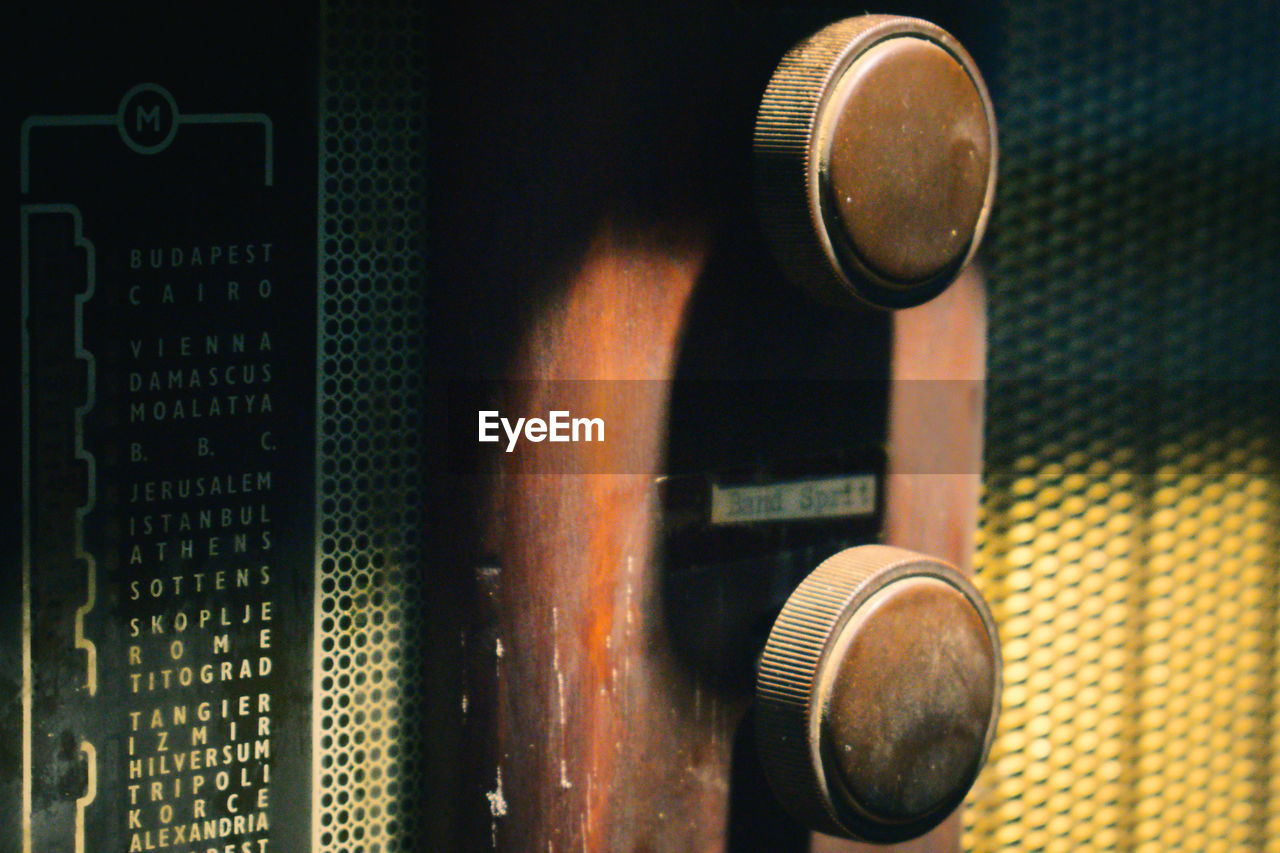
{"x": 878, "y": 694}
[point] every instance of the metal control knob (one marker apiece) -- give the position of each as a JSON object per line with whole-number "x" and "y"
{"x": 878, "y": 694}
{"x": 875, "y": 150}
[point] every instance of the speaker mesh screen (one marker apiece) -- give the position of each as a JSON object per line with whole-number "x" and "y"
{"x": 369, "y": 784}
{"x": 1130, "y": 536}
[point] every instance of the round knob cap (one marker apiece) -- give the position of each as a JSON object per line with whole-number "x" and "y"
{"x": 876, "y": 161}
{"x": 878, "y": 694}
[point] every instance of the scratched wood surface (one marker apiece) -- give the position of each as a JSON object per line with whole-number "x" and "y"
{"x": 584, "y": 194}
{"x": 593, "y": 176}
{"x": 602, "y": 739}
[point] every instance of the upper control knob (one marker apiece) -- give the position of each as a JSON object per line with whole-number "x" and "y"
{"x": 878, "y": 694}
{"x": 875, "y": 152}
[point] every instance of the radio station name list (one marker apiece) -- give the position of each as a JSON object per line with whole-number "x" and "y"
{"x": 197, "y": 505}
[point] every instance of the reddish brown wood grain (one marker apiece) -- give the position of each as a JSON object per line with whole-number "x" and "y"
{"x": 603, "y": 739}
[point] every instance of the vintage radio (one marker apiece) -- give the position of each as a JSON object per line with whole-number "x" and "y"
{"x": 469, "y": 426}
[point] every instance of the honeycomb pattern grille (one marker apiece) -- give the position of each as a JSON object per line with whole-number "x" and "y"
{"x": 369, "y": 482}
{"x": 1130, "y": 536}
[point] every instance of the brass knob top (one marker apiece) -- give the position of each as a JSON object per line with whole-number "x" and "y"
{"x": 878, "y": 694}
{"x": 876, "y": 159}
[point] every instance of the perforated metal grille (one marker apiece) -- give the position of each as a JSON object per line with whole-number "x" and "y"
{"x": 371, "y": 334}
{"x": 1130, "y": 539}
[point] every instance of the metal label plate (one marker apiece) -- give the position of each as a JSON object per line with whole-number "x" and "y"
{"x": 797, "y": 500}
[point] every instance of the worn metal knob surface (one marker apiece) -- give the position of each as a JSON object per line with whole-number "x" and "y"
{"x": 878, "y": 694}
{"x": 875, "y": 150}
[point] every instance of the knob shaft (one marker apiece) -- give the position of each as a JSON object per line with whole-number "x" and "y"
{"x": 878, "y": 694}
{"x": 875, "y": 151}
